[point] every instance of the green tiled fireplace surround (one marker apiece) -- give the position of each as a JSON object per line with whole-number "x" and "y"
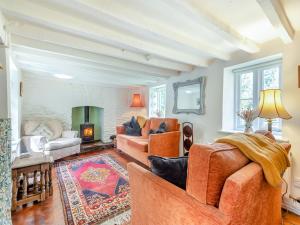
{"x": 96, "y": 117}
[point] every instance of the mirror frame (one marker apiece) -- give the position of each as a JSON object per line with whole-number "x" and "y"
{"x": 201, "y": 110}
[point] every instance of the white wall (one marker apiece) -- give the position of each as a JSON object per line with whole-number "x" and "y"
{"x": 3, "y": 83}
{"x": 206, "y": 127}
{"x": 14, "y": 109}
{"x": 55, "y": 98}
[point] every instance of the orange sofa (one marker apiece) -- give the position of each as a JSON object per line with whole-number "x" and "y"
{"x": 164, "y": 144}
{"x": 223, "y": 187}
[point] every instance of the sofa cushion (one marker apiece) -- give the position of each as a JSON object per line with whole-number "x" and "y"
{"x": 138, "y": 143}
{"x": 173, "y": 170}
{"x": 62, "y": 143}
{"x": 162, "y": 129}
{"x": 145, "y": 129}
{"x": 132, "y": 127}
{"x": 141, "y": 120}
{"x": 172, "y": 123}
{"x": 209, "y": 167}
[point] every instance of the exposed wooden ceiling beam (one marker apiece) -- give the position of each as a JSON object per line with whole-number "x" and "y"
{"x": 37, "y": 37}
{"x": 64, "y": 22}
{"x": 34, "y": 47}
{"x": 278, "y": 18}
{"x": 82, "y": 74}
{"x": 53, "y": 59}
{"x": 192, "y": 10}
{"x": 147, "y": 27}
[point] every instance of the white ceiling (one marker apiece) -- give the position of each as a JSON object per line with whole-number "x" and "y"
{"x": 134, "y": 42}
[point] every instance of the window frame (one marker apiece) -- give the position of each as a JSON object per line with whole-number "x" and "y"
{"x": 151, "y": 89}
{"x": 257, "y": 70}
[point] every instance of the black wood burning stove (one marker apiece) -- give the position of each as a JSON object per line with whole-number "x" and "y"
{"x": 87, "y": 129}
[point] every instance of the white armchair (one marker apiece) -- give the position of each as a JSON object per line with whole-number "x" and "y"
{"x": 58, "y": 144}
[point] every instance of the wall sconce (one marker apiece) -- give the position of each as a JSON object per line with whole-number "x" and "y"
{"x": 136, "y": 101}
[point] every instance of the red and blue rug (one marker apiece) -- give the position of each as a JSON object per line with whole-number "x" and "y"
{"x": 94, "y": 190}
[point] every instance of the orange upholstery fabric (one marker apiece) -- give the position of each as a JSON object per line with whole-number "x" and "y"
{"x": 222, "y": 188}
{"x": 249, "y": 199}
{"x": 120, "y": 129}
{"x": 139, "y": 143}
{"x": 165, "y": 144}
{"x": 145, "y": 129}
{"x": 155, "y": 201}
{"x": 209, "y": 166}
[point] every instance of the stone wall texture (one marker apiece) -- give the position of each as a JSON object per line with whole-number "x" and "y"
{"x": 5, "y": 172}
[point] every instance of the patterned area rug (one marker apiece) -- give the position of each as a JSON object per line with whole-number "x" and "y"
{"x": 94, "y": 190}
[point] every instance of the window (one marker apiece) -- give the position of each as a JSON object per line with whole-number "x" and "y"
{"x": 249, "y": 81}
{"x": 157, "y": 101}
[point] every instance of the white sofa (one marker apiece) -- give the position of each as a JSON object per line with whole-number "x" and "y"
{"x": 47, "y": 135}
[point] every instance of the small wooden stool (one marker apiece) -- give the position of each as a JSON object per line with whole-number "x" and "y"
{"x": 31, "y": 179}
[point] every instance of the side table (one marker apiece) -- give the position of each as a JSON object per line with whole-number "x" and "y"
{"x": 31, "y": 179}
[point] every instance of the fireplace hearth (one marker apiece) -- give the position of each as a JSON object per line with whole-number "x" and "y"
{"x": 87, "y": 129}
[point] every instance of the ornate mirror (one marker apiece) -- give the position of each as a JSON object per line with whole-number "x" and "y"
{"x": 190, "y": 96}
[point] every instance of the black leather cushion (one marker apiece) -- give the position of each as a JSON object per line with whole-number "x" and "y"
{"x": 132, "y": 127}
{"x": 161, "y": 129}
{"x": 173, "y": 170}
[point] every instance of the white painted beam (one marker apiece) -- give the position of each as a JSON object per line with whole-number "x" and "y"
{"x": 37, "y": 37}
{"x": 57, "y": 52}
{"x": 64, "y": 22}
{"x": 52, "y": 59}
{"x": 144, "y": 26}
{"x": 83, "y": 75}
{"x": 274, "y": 10}
{"x": 192, "y": 9}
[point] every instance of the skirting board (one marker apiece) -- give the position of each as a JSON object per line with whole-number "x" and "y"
{"x": 291, "y": 205}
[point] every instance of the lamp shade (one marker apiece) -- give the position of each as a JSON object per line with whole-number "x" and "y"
{"x": 136, "y": 101}
{"x": 270, "y": 105}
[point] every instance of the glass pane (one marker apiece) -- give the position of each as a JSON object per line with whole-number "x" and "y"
{"x": 271, "y": 78}
{"x": 157, "y": 104}
{"x": 246, "y": 104}
{"x": 246, "y": 85}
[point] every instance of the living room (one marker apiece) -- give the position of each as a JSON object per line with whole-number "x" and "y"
{"x": 149, "y": 112}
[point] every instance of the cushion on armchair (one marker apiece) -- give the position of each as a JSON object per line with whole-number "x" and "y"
{"x": 31, "y": 125}
{"x": 42, "y": 130}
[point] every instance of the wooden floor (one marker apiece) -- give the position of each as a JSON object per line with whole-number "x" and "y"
{"x": 50, "y": 212}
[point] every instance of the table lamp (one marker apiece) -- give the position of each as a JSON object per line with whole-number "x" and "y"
{"x": 270, "y": 106}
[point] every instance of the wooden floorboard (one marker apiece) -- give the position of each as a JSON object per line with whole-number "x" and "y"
{"x": 50, "y": 212}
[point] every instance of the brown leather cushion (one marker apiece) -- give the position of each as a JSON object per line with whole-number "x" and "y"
{"x": 208, "y": 168}
{"x": 170, "y": 122}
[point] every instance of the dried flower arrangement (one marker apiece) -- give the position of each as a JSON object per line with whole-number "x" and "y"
{"x": 248, "y": 115}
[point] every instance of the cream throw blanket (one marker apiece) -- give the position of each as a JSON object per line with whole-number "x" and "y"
{"x": 271, "y": 156}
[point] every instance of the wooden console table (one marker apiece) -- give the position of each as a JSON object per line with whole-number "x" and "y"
{"x": 31, "y": 179}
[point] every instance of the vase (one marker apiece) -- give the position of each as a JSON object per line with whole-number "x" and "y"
{"x": 248, "y": 127}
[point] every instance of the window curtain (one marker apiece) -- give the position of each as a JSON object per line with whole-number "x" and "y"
{"x": 5, "y": 172}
